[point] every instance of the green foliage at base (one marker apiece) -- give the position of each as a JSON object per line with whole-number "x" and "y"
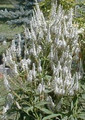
{"x": 29, "y": 105}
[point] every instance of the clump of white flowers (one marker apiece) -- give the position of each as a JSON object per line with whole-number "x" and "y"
{"x": 51, "y": 48}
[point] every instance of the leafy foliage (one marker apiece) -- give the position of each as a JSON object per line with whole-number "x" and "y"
{"x": 35, "y": 86}
{"x": 35, "y": 64}
{"x": 19, "y": 15}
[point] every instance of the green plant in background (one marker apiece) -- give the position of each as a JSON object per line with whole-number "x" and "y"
{"x": 68, "y": 3}
{"x": 46, "y": 5}
{"x": 46, "y": 70}
{"x": 19, "y": 15}
{"x": 79, "y": 5}
{"x": 80, "y": 12}
{"x": 3, "y": 48}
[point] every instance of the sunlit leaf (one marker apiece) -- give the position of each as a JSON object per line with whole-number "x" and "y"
{"x": 83, "y": 96}
{"x": 46, "y": 111}
{"x": 82, "y": 116}
{"x": 51, "y": 116}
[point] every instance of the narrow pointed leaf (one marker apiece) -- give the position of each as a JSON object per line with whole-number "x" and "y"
{"x": 51, "y": 116}
{"x": 46, "y": 111}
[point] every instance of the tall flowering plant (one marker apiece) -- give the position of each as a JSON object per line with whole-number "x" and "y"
{"x": 45, "y": 68}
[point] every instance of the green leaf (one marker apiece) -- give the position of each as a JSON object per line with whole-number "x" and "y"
{"x": 71, "y": 117}
{"x": 42, "y": 103}
{"x": 65, "y": 118}
{"x": 82, "y": 116}
{"x": 51, "y": 116}
{"x": 47, "y": 77}
{"x": 28, "y": 109}
{"x": 46, "y": 111}
{"x": 72, "y": 105}
{"x": 83, "y": 96}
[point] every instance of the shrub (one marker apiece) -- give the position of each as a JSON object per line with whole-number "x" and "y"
{"x": 20, "y": 14}
{"x": 46, "y": 69}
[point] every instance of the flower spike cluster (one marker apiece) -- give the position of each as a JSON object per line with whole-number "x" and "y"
{"x": 51, "y": 48}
